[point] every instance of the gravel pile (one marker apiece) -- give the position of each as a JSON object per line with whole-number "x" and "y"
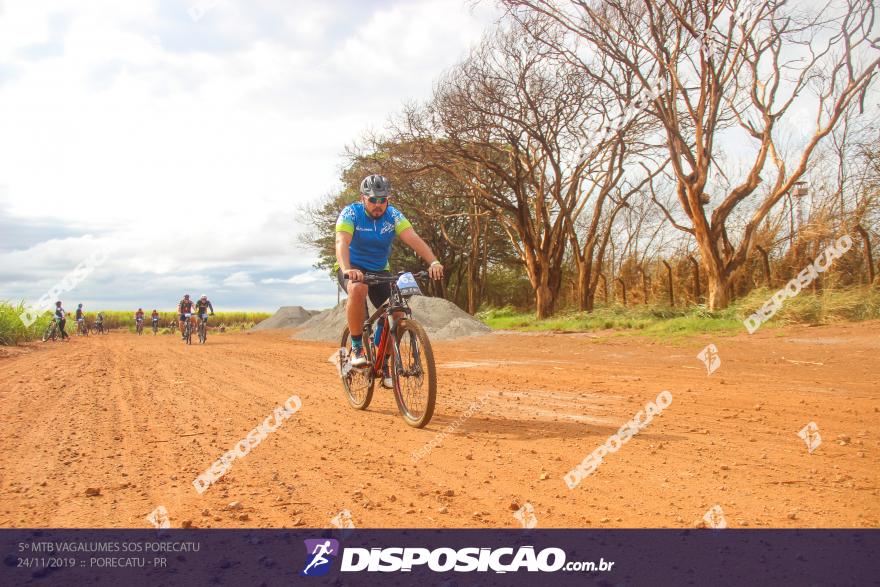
{"x": 442, "y": 319}
{"x": 286, "y": 317}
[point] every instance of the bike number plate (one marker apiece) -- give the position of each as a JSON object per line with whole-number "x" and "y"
{"x": 408, "y": 286}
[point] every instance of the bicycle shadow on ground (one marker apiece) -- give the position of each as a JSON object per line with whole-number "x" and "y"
{"x": 492, "y": 427}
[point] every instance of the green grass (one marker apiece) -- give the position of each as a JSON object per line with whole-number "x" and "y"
{"x": 828, "y": 307}
{"x": 13, "y": 330}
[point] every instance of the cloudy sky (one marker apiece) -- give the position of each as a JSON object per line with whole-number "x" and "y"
{"x": 182, "y": 136}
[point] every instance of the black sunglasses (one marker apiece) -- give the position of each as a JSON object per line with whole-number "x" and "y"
{"x": 377, "y": 200}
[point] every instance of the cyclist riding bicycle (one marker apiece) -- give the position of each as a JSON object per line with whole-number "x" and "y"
{"x": 139, "y": 317}
{"x": 365, "y": 231}
{"x": 184, "y": 307}
{"x": 99, "y": 321}
{"x": 80, "y": 319}
{"x": 202, "y": 307}
{"x": 154, "y": 317}
{"x": 61, "y": 318}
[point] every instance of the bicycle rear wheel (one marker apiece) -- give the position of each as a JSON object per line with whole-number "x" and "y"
{"x": 415, "y": 379}
{"x": 358, "y": 383}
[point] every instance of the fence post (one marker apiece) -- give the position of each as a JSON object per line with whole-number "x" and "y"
{"x": 669, "y": 282}
{"x": 766, "y": 264}
{"x": 697, "y": 293}
{"x": 644, "y": 283}
{"x": 869, "y": 257}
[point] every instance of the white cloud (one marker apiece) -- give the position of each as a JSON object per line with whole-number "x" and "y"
{"x": 191, "y": 144}
{"x": 238, "y": 279}
{"x": 299, "y": 279}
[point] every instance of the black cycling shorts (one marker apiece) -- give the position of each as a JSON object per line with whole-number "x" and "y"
{"x": 378, "y": 292}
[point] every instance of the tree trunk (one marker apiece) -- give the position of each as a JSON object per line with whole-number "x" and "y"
{"x": 623, "y": 290}
{"x": 718, "y": 280}
{"x": 543, "y": 302}
{"x": 719, "y": 293}
{"x": 583, "y": 287}
{"x": 539, "y": 275}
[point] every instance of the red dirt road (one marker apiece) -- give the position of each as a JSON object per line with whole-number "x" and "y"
{"x": 140, "y": 417}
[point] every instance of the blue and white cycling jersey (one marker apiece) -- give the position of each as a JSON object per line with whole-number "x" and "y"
{"x": 371, "y": 237}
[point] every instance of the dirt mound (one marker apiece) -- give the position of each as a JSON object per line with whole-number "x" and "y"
{"x": 285, "y": 317}
{"x": 441, "y": 318}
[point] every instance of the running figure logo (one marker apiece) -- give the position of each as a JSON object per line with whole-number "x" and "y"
{"x": 810, "y": 435}
{"x": 714, "y": 518}
{"x": 321, "y": 553}
{"x": 710, "y": 358}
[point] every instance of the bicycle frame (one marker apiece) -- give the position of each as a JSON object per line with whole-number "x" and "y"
{"x": 395, "y": 303}
{"x": 381, "y": 349}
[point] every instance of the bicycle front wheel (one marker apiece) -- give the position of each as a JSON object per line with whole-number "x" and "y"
{"x": 358, "y": 383}
{"x": 415, "y": 378}
{"x": 203, "y": 333}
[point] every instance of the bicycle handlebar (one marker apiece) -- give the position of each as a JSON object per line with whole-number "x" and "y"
{"x": 374, "y": 279}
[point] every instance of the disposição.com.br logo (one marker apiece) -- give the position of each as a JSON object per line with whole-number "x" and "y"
{"x": 323, "y": 551}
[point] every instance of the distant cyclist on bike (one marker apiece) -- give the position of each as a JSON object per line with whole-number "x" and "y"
{"x": 183, "y": 308}
{"x": 139, "y": 317}
{"x": 99, "y": 321}
{"x": 364, "y": 233}
{"x": 80, "y": 319}
{"x": 61, "y": 318}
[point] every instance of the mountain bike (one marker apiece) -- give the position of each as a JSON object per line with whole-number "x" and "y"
{"x": 51, "y": 331}
{"x": 405, "y": 342}
{"x": 172, "y": 326}
{"x": 203, "y": 328}
{"x": 155, "y": 327}
{"x": 140, "y": 327}
{"x": 81, "y": 328}
{"x": 187, "y": 330}
{"x": 98, "y": 328}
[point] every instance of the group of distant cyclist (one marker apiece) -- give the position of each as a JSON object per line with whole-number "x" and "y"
{"x": 188, "y": 311}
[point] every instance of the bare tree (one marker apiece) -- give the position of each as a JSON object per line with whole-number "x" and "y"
{"x": 501, "y": 123}
{"x": 729, "y": 66}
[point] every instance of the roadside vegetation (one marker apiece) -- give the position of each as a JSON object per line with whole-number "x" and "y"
{"x": 826, "y": 307}
{"x": 13, "y": 330}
